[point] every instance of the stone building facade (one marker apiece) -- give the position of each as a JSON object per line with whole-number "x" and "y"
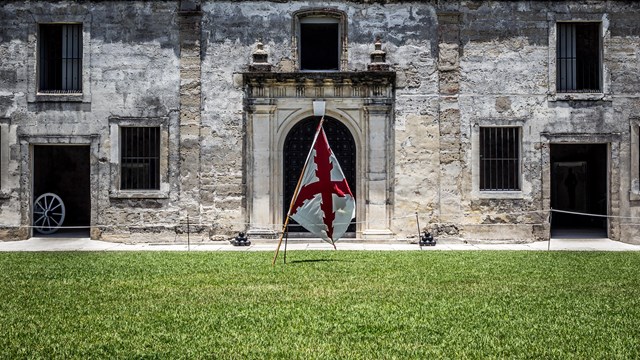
{"x": 479, "y": 116}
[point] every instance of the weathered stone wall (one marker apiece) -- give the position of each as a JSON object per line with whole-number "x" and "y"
{"x": 509, "y": 77}
{"x": 459, "y": 65}
{"x": 132, "y": 74}
{"x": 409, "y": 34}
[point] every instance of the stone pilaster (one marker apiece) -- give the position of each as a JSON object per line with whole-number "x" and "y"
{"x": 190, "y": 22}
{"x": 260, "y": 166}
{"x": 449, "y": 117}
{"x": 378, "y": 173}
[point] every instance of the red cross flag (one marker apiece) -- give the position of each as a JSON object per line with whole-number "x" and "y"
{"x": 324, "y": 204}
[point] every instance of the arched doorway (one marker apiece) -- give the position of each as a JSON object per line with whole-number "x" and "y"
{"x": 296, "y": 149}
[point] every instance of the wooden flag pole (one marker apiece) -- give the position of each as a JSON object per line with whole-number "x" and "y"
{"x": 295, "y": 193}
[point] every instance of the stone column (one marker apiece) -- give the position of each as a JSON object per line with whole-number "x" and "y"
{"x": 378, "y": 172}
{"x": 449, "y": 118}
{"x": 260, "y": 172}
{"x": 190, "y": 22}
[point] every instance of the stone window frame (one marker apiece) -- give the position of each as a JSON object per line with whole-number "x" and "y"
{"x": 33, "y": 95}
{"x": 634, "y": 173}
{"x": 115, "y": 124}
{"x": 605, "y": 37}
{"x": 476, "y": 193}
{"x": 5, "y": 149}
{"x": 342, "y": 33}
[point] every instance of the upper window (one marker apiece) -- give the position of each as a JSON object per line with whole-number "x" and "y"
{"x": 319, "y": 43}
{"x": 60, "y": 58}
{"x": 499, "y": 158}
{"x": 578, "y": 57}
{"x": 140, "y": 158}
{"x": 320, "y": 39}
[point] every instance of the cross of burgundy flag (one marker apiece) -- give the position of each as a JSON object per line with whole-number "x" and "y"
{"x": 324, "y": 204}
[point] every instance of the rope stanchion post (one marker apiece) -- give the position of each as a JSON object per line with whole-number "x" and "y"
{"x": 549, "y": 241}
{"x": 418, "y": 223}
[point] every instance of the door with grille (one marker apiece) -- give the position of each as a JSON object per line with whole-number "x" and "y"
{"x": 296, "y": 148}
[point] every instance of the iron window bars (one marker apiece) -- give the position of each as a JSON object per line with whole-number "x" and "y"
{"x": 60, "y": 58}
{"x": 140, "y": 158}
{"x": 499, "y": 158}
{"x": 578, "y": 57}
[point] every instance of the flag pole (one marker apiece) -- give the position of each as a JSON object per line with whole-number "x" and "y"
{"x": 295, "y": 193}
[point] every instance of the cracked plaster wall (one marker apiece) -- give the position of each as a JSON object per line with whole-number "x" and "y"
{"x": 495, "y": 70}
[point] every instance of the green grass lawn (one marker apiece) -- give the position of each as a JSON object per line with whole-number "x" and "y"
{"x": 325, "y": 305}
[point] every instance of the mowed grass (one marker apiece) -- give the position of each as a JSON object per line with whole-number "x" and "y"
{"x": 321, "y": 305}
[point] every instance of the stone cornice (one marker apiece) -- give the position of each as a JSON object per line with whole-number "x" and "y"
{"x": 366, "y": 84}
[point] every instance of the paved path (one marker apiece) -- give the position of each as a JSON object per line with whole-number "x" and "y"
{"x": 84, "y": 244}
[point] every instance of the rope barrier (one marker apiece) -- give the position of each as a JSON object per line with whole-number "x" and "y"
{"x": 594, "y": 215}
{"x": 272, "y": 227}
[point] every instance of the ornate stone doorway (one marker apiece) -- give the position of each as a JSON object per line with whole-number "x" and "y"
{"x": 296, "y": 148}
{"x": 279, "y": 116}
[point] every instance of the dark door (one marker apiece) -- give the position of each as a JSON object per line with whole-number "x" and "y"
{"x": 296, "y": 149}
{"x": 579, "y": 185}
{"x": 64, "y": 171}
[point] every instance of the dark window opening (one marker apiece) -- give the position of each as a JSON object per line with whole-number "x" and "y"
{"x": 319, "y": 46}
{"x": 60, "y": 58}
{"x": 499, "y": 158}
{"x": 578, "y": 57}
{"x": 140, "y": 158}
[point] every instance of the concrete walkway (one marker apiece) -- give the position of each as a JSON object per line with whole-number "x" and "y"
{"x": 85, "y": 244}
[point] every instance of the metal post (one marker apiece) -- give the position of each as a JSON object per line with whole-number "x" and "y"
{"x": 188, "y": 237}
{"x": 418, "y": 223}
{"x": 549, "y": 242}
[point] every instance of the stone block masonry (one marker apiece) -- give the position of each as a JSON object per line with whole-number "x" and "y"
{"x": 441, "y": 71}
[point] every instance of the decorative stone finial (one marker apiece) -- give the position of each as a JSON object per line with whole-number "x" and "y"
{"x": 378, "y": 58}
{"x": 260, "y": 59}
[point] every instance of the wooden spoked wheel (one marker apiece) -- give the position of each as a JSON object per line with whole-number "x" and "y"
{"x": 48, "y": 213}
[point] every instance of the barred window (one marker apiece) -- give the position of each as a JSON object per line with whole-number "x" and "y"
{"x": 140, "y": 158}
{"x": 499, "y": 158}
{"x": 60, "y": 58}
{"x": 578, "y": 57}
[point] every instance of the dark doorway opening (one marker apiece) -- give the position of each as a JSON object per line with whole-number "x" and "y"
{"x": 319, "y": 46}
{"x": 296, "y": 149}
{"x": 64, "y": 170}
{"x": 579, "y": 185}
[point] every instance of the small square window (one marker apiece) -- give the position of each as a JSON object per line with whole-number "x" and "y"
{"x": 499, "y": 158}
{"x": 319, "y": 43}
{"x": 578, "y": 57}
{"x": 140, "y": 158}
{"x": 60, "y": 58}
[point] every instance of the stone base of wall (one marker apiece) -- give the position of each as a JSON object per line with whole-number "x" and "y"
{"x": 503, "y": 233}
{"x": 158, "y": 235}
{"x": 14, "y": 233}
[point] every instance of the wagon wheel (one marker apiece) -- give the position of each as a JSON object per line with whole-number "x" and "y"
{"x": 48, "y": 213}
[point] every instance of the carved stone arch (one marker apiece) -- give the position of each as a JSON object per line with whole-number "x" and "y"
{"x": 297, "y": 143}
{"x": 353, "y": 126}
{"x": 355, "y": 131}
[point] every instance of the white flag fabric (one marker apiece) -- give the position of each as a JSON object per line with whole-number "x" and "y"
{"x": 324, "y": 204}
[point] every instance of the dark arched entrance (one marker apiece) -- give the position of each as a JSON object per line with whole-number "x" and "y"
{"x": 296, "y": 149}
